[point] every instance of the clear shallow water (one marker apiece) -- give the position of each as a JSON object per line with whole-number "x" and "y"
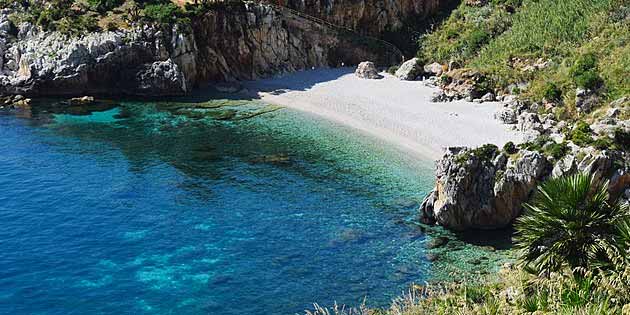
{"x": 135, "y": 210}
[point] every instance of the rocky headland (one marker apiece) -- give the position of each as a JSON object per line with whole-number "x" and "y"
{"x": 486, "y": 187}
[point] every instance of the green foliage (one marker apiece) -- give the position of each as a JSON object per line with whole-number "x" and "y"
{"x": 584, "y": 63}
{"x": 556, "y": 150}
{"x": 551, "y": 92}
{"x": 485, "y": 152}
{"x": 57, "y": 15}
{"x": 622, "y": 139}
{"x": 589, "y": 80}
{"x": 77, "y": 25}
{"x": 468, "y": 29}
{"x": 571, "y": 223}
{"x": 163, "y": 13}
{"x": 510, "y": 148}
{"x": 584, "y": 72}
{"x": 476, "y": 294}
{"x": 581, "y": 134}
{"x": 105, "y": 5}
{"x": 392, "y": 70}
{"x": 544, "y": 144}
{"x": 6, "y": 3}
{"x": 586, "y": 41}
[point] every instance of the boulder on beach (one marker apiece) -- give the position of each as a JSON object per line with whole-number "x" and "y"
{"x": 410, "y": 70}
{"x": 367, "y": 70}
{"x": 77, "y": 101}
{"x": 435, "y": 69}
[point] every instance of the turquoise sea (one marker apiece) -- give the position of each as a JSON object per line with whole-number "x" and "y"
{"x": 146, "y": 208}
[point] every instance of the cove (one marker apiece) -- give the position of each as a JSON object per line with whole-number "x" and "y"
{"x": 135, "y": 209}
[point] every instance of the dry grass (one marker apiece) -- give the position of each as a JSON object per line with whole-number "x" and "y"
{"x": 515, "y": 292}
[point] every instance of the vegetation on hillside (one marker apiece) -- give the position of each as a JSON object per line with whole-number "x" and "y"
{"x": 76, "y": 17}
{"x": 574, "y": 247}
{"x": 547, "y": 48}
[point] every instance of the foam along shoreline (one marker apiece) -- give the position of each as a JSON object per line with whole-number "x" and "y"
{"x": 397, "y": 111}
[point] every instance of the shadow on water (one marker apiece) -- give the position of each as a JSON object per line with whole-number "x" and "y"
{"x": 498, "y": 239}
{"x": 186, "y": 133}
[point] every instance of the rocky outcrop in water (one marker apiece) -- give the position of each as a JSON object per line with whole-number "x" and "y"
{"x": 482, "y": 188}
{"x": 485, "y": 188}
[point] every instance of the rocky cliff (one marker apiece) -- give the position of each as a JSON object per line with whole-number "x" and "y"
{"x": 260, "y": 40}
{"x": 141, "y": 61}
{"x": 242, "y": 42}
{"x": 485, "y": 188}
{"x": 368, "y": 16}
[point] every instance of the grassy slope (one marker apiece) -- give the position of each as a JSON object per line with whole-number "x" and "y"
{"x": 489, "y": 38}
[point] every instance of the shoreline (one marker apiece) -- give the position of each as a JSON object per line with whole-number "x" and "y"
{"x": 393, "y": 110}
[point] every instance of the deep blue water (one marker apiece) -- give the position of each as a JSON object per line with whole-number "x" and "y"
{"x": 136, "y": 210}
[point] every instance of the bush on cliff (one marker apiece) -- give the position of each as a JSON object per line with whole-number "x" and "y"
{"x": 105, "y": 5}
{"x": 163, "y": 13}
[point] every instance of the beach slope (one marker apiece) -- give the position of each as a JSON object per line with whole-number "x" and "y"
{"x": 397, "y": 111}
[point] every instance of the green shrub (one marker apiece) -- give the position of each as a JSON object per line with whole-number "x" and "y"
{"x": 584, "y": 72}
{"x": 604, "y": 143}
{"x": 104, "y": 5}
{"x": 571, "y": 223}
{"x": 557, "y": 150}
{"x": 477, "y": 38}
{"x": 584, "y": 63}
{"x": 485, "y": 152}
{"x": 581, "y": 134}
{"x": 622, "y": 138}
{"x": 551, "y": 92}
{"x": 162, "y": 13}
{"x": 537, "y": 144}
{"x": 392, "y": 70}
{"x": 77, "y": 25}
{"x": 510, "y": 148}
{"x": 588, "y": 80}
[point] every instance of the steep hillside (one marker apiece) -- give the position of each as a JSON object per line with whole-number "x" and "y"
{"x": 540, "y": 49}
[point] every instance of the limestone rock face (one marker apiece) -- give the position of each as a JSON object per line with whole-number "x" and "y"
{"x": 410, "y": 70}
{"x": 481, "y": 189}
{"x": 368, "y": 16}
{"x": 485, "y": 189}
{"x": 160, "y": 77}
{"x": 254, "y": 41}
{"x": 367, "y": 70}
{"x": 516, "y": 185}
{"x": 50, "y": 63}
